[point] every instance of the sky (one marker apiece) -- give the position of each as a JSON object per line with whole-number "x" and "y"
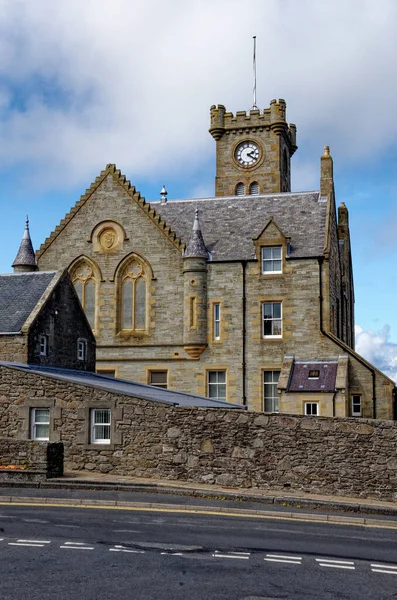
{"x": 83, "y": 84}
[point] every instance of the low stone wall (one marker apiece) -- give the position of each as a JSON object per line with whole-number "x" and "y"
{"x": 35, "y": 457}
{"x": 351, "y": 457}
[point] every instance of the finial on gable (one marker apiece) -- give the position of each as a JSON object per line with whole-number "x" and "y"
{"x": 25, "y": 260}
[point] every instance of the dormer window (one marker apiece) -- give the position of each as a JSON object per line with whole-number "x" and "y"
{"x": 240, "y": 189}
{"x": 254, "y": 188}
{"x": 271, "y": 260}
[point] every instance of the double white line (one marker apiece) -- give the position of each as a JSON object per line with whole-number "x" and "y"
{"x": 30, "y": 543}
{"x": 378, "y": 568}
{"x": 335, "y": 564}
{"x": 238, "y": 555}
{"x": 282, "y": 558}
{"x": 76, "y": 546}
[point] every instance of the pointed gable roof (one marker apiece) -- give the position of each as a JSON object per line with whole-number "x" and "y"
{"x": 112, "y": 170}
{"x": 25, "y": 259}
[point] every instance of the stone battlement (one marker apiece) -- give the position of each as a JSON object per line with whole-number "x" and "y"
{"x": 273, "y": 117}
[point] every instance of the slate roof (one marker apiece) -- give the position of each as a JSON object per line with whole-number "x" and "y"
{"x": 229, "y": 224}
{"x": 300, "y": 381}
{"x": 19, "y": 294}
{"x": 126, "y": 388}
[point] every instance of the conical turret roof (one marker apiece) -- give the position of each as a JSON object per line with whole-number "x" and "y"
{"x": 25, "y": 260}
{"x": 195, "y": 248}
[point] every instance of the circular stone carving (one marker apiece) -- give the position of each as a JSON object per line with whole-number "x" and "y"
{"x": 108, "y": 239}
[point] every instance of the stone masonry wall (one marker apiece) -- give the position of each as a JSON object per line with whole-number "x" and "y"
{"x": 23, "y": 453}
{"x": 14, "y": 348}
{"x": 228, "y": 447}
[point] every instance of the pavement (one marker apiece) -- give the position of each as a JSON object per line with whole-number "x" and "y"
{"x": 85, "y": 489}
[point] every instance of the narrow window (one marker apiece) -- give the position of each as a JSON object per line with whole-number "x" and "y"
{"x": 133, "y": 297}
{"x": 84, "y": 282}
{"x": 43, "y": 340}
{"x": 216, "y": 384}
{"x": 254, "y": 188}
{"x": 40, "y": 424}
{"x": 240, "y": 189}
{"x": 271, "y": 260}
{"x": 272, "y": 321}
{"x": 356, "y": 405}
{"x": 81, "y": 350}
{"x": 217, "y": 321}
{"x": 158, "y": 379}
{"x": 270, "y": 395}
{"x": 311, "y": 409}
{"x": 100, "y": 426}
{"x": 193, "y": 311}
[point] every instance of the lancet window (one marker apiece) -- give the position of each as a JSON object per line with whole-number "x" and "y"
{"x": 84, "y": 281}
{"x": 133, "y": 297}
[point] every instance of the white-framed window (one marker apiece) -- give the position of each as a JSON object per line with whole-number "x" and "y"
{"x": 81, "y": 350}
{"x": 270, "y": 395}
{"x": 240, "y": 189}
{"x": 40, "y": 424}
{"x": 217, "y": 320}
{"x": 311, "y": 409}
{"x": 272, "y": 260}
{"x": 254, "y": 188}
{"x": 272, "y": 319}
{"x": 356, "y": 405}
{"x": 100, "y": 426}
{"x": 158, "y": 379}
{"x": 43, "y": 341}
{"x": 216, "y": 384}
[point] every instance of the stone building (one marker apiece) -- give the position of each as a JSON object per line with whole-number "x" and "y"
{"x": 247, "y": 296}
{"x": 41, "y": 318}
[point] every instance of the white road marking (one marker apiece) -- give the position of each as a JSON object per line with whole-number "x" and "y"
{"x": 284, "y": 556}
{"x": 336, "y": 566}
{"x": 36, "y": 541}
{"x": 22, "y": 544}
{"x": 71, "y": 526}
{"x": 34, "y": 521}
{"x": 124, "y": 549}
{"x": 384, "y": 571}
{"x": 379, "y": 566}
{"x": 334, "y": 561}
{"x": 76, "y": 546}
{"x": 238, "y": 555}
{"x": 282, "y": 560}
{"x": 172, "y": 553}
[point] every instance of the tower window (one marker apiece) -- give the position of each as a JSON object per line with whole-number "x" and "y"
{"x": 254, "y": 188}
{"x": 240, "y": 189}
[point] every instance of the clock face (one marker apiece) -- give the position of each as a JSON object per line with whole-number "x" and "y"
{"x": 247, "y": 154}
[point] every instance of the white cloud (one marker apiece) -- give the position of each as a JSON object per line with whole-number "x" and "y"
{"x": 377, "y": 349}
{"x": 132, "y": 82}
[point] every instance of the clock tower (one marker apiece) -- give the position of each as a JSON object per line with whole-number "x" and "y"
{"x": 253, "y": 150}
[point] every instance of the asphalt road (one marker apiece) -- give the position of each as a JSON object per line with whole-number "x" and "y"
{"x": 97, "y": 554}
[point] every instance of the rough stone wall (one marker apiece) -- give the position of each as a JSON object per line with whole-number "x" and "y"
{"x": 31, "y": 455}
{"x": 14, "y": 348}
{"x": 232, "y": 448}
{"x": 63, "y": 322}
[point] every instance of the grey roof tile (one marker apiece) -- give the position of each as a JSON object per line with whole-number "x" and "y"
{"x": 124, "y": 387}
{"x": 229, "y": 224}
{"x": 25, "y": 256}
{"x": 19, "y": 294}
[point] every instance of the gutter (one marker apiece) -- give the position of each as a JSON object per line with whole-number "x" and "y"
{"x": 345, "y": 346}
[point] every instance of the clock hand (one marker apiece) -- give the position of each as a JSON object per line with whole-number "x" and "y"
{"x": 251, "y": 154}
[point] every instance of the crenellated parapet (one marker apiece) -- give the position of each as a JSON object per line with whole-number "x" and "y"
{"x": 253, "y": 121}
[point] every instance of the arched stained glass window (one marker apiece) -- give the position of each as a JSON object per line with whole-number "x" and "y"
{"x": 133, "y": 297}
{"x": 84, "y": 282}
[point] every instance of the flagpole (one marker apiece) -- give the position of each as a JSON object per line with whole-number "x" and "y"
{"x": 254, "y": 66}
